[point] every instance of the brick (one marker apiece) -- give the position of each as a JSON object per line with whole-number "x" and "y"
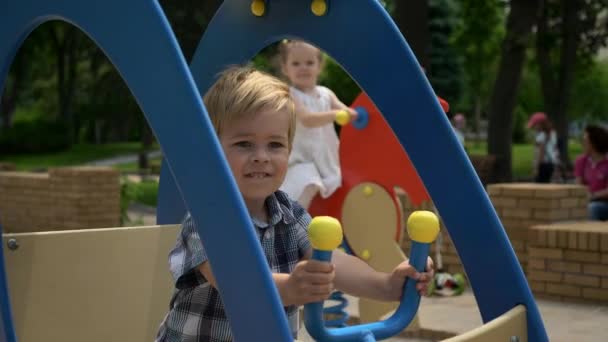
{"x": 494, "y": 190}
{"x": 505, "y": 202}
{"x": 601, "y": 294}
{"x": 604, "y": 242}
{"x": 537, "y": 264}
{"x": 541, "y": 237}
{"x": 578, "y": 214}
{"x": 595, "y": 269}
{"x": 594, "y": 242}
{"x": 550, "y": 214}
{"x": 591, "y": 257}
{"x": 582, "y": 240}
{"x": 562, "y": 239}
{"x": 563, "y": 290}
{"x": 551, "y": 193}
{"x": 552, "y": 238}
{"x": 548, "y": 253}
{"x": 605, "y": 258}
{"x": 568, "y": 203}
{"x": 545, "y": 276}
{"x": 517, "y": 213}
{"x": 539, "y": 203}
{"x": 563, "y": 266}
{"x": 582, "y": 280}
{"x": 572, "y": 241}
{"x": 605, "y": 282}
{"x": 537, "y": 286}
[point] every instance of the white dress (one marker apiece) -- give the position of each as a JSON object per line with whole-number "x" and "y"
{"x": 314, "y": 160}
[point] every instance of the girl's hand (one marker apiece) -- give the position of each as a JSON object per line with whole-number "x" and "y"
{"x": 353, "y": 114}
{"x": 310, "y": 281}
{"x": 405, "y": 270}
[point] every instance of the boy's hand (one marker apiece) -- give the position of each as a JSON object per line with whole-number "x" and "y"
{"x": 310, "y": 281}
{"x": 405, "y": 270}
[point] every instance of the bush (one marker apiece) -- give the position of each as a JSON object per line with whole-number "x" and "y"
{"x": 34, "y": 136}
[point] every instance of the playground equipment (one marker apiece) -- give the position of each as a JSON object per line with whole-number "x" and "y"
{"x": 325, "y": 235}
{"x": 137, "y": 38}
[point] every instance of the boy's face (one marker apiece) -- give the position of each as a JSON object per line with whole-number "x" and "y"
{"x": 257, "y": 150}
{"x": 302, "y": 66}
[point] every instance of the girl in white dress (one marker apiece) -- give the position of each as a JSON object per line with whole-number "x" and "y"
{"x": 314, "y": 164}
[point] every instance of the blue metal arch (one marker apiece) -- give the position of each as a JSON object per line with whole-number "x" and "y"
{"x": 363, "y": 39}
{"x": 137, "y": 38}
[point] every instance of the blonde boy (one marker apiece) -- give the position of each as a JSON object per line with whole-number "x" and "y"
{"x": 254, "y": 118}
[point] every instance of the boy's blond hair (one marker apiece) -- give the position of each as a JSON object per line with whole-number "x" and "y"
{"x": 243, "y": 91}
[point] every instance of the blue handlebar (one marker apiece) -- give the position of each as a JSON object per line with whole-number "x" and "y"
{"x": 362, "y": 118}
{"x": 313, "y": 312}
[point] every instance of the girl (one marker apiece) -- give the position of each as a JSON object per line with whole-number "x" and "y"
{"x": 314, "y": 165}
{"x": 546, "y": 155}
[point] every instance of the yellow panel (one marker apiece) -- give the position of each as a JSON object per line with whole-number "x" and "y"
{"x": 512, "y": 323}
{"x": 370, "y": 219}
{"x": 90, "y": 285}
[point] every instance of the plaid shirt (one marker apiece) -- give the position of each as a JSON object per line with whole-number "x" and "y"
{"x": 196, "y": 311}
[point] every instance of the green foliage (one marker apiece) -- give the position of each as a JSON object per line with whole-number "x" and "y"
{"x": 590, "y": 93}
{"x": 446, "y": 73}
{"x": 34, "y": 136}
{"x": 477, "y": 39}
{"x": 336, "y": 79}
{"x": 75, "y": 155}
{"x": 144, "y": 192}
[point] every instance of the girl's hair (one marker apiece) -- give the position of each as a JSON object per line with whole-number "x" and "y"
{"x": 286, "y": 45}
{"x": 546, "y": 126}
{"x": 243, "y": 91}
{"x": 598, "y": 138}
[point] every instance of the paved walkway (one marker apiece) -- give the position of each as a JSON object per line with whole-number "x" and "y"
{"x": 130, "y": 158}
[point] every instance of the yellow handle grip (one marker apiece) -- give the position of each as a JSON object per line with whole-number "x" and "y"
{"x": 423, "y": 226}
{"x": 325, "y": 233}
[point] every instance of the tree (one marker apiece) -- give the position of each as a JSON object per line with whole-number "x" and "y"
{"x": 570, "y": 32}
{"x": 445, "y": 72}
{"x": 412, "y": 19}
{"x": 477, "y": 40}
{"x": 520, "y": 21}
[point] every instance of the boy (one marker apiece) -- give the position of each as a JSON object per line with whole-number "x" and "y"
{"x": 254, "y": 118}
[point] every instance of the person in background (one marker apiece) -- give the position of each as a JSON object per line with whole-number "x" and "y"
{"x": 546, "y": 154}
{"x": 591, "y": 170}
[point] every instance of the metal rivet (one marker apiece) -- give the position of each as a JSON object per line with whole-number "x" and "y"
{"x": 12, "y": 244}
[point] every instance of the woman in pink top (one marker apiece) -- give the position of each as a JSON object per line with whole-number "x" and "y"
{"x": 591, "y": 169}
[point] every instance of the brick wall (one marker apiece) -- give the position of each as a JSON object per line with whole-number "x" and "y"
{"x": 569, "y": 261}
{"x": 522, "y": 205}
{"x": 64, "y": 198}
{"x": 519, "y": 206}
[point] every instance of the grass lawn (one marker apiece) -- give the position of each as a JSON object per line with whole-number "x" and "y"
{"x": 76, "y": 155}
{"x": 522, "y": 156}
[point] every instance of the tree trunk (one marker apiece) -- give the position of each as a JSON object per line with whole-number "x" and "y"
{"x": 522, "y": 17}
{"x": 65, "y": 42}
{"x": 413, "y": 21}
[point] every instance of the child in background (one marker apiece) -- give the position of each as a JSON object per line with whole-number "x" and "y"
{"x": 254, "y": 118}
{"x": 546, "y": 155}
{"x": 314, "y": 164}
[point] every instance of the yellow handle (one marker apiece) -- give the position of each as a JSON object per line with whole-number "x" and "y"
{"x": 423, "y": 226}
{"x": 342, "y": 117}
{"x": 325, "y": 233}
